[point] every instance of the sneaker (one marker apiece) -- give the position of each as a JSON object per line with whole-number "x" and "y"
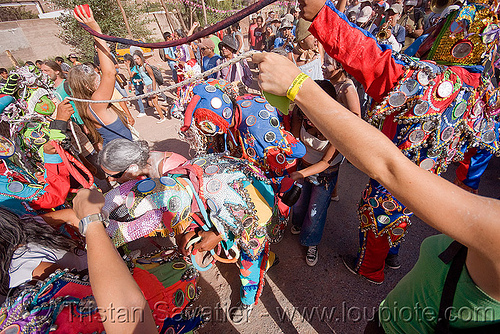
{"x": 392, "y": 261}
{"x": 161, "y": 120}
{"x": 295, "y": 230}
{"x": 350, "y": 264}
{"x": 312, "y": 256}
{"x": 241, "y": 313}
{"x": 142, "y": 114}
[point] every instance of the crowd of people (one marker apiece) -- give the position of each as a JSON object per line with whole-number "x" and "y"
{"x": 257, "y": 166}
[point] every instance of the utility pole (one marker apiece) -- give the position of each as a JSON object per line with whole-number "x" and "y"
{"x": 125, "y": 19}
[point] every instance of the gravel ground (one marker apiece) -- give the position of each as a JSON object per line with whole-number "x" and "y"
{"x": 297, "y": 298}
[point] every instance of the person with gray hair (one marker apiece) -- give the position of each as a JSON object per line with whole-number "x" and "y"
{"x": 124, "y": 160}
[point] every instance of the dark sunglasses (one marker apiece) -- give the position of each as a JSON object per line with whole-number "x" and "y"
{"x": 117, "y": 175}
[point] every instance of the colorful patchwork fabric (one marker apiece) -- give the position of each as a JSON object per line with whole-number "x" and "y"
{"x": 64, "y": 302}
{"x": 430, "y": 115}
{"x": 237, "y": 194}
{"x": 380, "y": 212}
{"x": 263, "y": 139}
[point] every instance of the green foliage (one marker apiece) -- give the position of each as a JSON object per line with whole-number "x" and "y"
{"x": 108, "y": 15}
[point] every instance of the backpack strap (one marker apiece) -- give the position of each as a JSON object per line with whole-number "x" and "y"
{"x": 456, "y": 253}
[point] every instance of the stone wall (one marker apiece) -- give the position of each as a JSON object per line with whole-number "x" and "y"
{"x": 30, "y": 40}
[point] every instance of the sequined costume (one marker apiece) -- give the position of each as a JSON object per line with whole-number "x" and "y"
{"x": 64, "y": 302}
{"x": 227, "y": 194}
{"x": 249, "y": 127}
{"x": 432, "y": 112}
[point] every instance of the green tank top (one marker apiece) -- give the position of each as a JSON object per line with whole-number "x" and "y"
{"x": 413, "y": 305}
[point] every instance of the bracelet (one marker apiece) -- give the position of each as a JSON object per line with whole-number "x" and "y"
{"x": 294, "y": 88}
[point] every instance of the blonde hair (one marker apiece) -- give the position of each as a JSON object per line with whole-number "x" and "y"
{"x": 82, "y": 79}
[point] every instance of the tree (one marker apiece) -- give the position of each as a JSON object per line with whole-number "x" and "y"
{"x": 110, "y": 19}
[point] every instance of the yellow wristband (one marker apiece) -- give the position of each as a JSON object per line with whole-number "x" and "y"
{"x": 294, "y": 88}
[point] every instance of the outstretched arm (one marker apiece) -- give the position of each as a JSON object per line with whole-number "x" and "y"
{"x": 112, "y": 284}
{"x": 356, "y": 49}
{"x": 108, "y": 72}
{"x": 470, "y": 219}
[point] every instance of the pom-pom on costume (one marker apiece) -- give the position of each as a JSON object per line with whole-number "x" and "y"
{"x": 432, "y": 112}
{"x": 64, "y": 303}
{"x": 249, "y": 127}
{"x": 225, "y": 194}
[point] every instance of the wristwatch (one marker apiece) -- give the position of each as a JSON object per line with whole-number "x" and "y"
{"x": 96, "y": 217}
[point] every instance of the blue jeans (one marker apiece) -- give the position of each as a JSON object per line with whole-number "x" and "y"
{"x": 310, "y": 211}
{"x": 139, "y": 90}
{"x": 172, "y": 64}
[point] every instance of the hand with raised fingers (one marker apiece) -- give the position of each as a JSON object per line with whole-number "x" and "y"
{"x": 83, "y": 14}
{"x": 276, "y": 73}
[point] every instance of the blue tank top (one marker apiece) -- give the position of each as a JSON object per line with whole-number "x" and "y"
{"x": 112, "y": 131}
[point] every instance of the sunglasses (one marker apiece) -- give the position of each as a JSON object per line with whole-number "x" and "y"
{"x": 117, "y": 175}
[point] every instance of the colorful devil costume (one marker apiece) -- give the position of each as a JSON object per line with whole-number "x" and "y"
{"x": 64, "y": 303}
{"x": 249, "y": 127}
{"x": 433, "y": 113}
{"x": 224, "y": 194}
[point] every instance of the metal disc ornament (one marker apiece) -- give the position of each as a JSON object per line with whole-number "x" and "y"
{"x": 398, "y": 231}
{"x": 427, "y": 164}
{"x": 416, "y": 136}
{"x": 254, "y": 243}
{"x": 7, "y": 148}
{"x": 248, "y": 222}
{"x": 280, "y": 158}
{"x": 478, "y": 109}
{"x": 214, "y": 186}
{"x": 269, "y": 107}
{"x": 200, "y": 162}
{"x": 210, "y": 88}
{"x": 15, "y": 187}
{"x": 462, "y": 49}
{"x": 227, "y": 113}
{"x": 422, "y": 78}
{"x": 260, "y": 100}
{"x": 270, "y": 137}
{"x": 246, "y": 104}
{"x": 167, "y": 181}
{"x": 216, "y": 103}
{"x": 251, "y": 152}
{"x": 264, "y": 114}
{"x": 488, "y": 137}
{"x": 445, "y": 89}
{"x": 373, "y": 202}
{"x": 428, "y": 126}
{"x": 397, "y": 99}
{"x": 410, "y": 87}
{"x": 174, "y": 204}
{"x": 212, "y": 169}
{"x": 459, "y": 109}
{"x": 146, "y": 186}
{"x": 274, "y": 122}
{"x": 421, "y": 108}
{"x": 389, "y": 205}
{"x": 447, "y": 133}
{"x": 383, "y": 219}
{"x": 226, "y": 98}
{"x": 251, "y": 120}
